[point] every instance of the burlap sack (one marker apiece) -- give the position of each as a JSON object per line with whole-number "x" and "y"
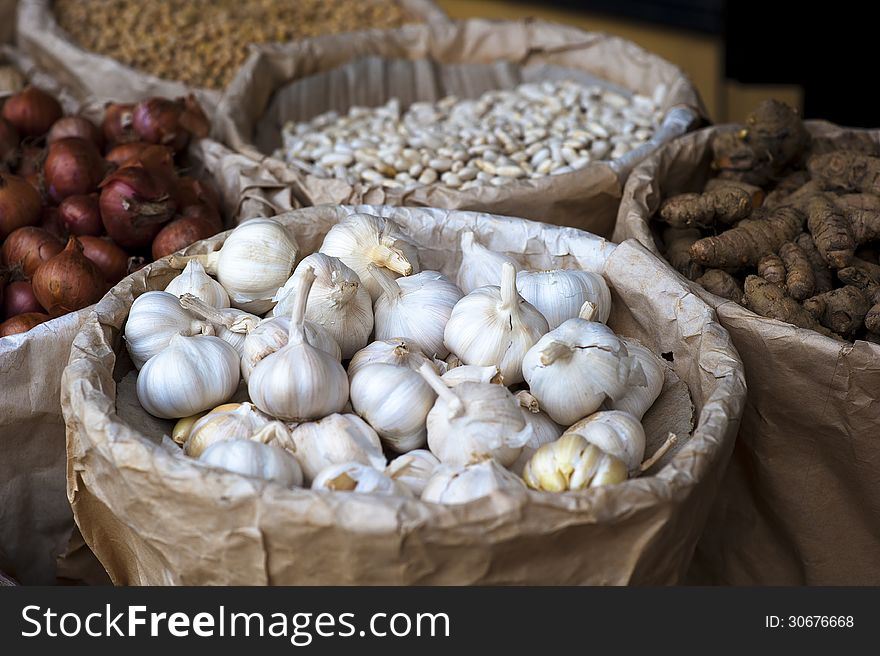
{"x": 425, "y": 63}
{"x": 155, "y": 517}
{"x": 800, "y": 504}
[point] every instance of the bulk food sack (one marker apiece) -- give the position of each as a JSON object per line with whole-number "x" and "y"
{"x": 800, "y": 501}
{"x": 593, "y": 107}
{"x": 154, "y": 516}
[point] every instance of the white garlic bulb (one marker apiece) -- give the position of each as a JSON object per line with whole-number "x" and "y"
{"x": 194, "y": 280}
{"x": 451, "y": 485}
{"x": 544, "y": 429}
{"x": 334, "y": 440}
{"x": 154, "y": 318}
{"x": 256, "y": 460}
{"x": 355, "y": 477}
{"x": 415, "y": 307}
{"x": 338, "y": 302}
{"x": 360, "y": 240}
{"x": 397, "y": 351}
{"x": 232, "y": 422}
{"x": 471, "y": 373}
{"x": 617, "y": 433}
{"x": 414, "y": 469}
{"x": 638, "y": 399}
{"x": 495, "y": 326}
{"x": 271, "y": 334}
{"x": 574, "y": 368}
{"x": 230, "y": 324}
{"x": 191, "y": 375}
{"x": 474, "y": 421}
{"x": 560, "y": 294}
{"x": 571, "y": 463}
{"x": 299, "y": 382}
{"x": 395, "y": 401}
{"x": 479, "y": 265}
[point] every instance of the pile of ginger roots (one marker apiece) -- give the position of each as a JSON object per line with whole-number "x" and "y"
{"x": 786, "y": 226}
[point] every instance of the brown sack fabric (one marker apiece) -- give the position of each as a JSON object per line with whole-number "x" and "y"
{"x": 800, "y": 504}
{"x": 154, "y": 516}
{"x": 425, "y": 63}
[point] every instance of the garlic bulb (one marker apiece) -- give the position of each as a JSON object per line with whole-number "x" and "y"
{"x": 195, "y": 281}
{"x": 480, "y": 479}
{"x": 238, "y": 422}
{"x": 415, "y": 307}
{"x": 182, "y": 429}
{"x": 355, "y": 477}
{"x": 397, "y": 351}
{"x": 334, "y": 440}
{"x": 191, "y": 375}
{"x": 479, "y": 266}
{"x": 413, "y": 469}
{"x": 471, "y": 373}
{"x": 571, "y": 463}
{"x": 560, "y": 294}
{"x": 256, "y": 460}
{"x": 230, "y": 325}
{"x": 617, "y": 433}
{"x": 299, "y": 382}
{"x": 270, "y": 335}
{"x": 574, "y": 368}
{"x": 337, "y": 302}
{"x": 363, "y": 239}
{"x": 474, "y": 421}
{"x": 154, "y": 318}
{"x": 544, "y": 429}
{"x": 395, "y": 401}
{"x": 495, "y": 326}
{"x": 638, "y": 399}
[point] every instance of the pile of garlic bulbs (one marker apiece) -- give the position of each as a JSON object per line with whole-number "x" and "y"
{"x": 501, "y": 379}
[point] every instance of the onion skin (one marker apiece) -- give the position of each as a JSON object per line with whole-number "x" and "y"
{"x": 121, "y": 153}
{"x": 134, "y": 206}
{"x": 27, "y": 248}
{"x": 180, "y": 233}
{"x": 111, "y": 260}
{"x": 30, "y": 160}
{"x": 32, "y": 111}
{"x": 81, "y": 215}
{"x": 73, "y": 167}
{"x": 170, "y": 122}
{"x": 192, "y": 191}
{"x": 117, "y": 123}
{"x": 19, "y": 298}
{"x": 20, "y": 204}
{"x": 50, "y": 221}
{"x": 22, "y": 323}
{"x": 9, "y": 141}
{"x": 75, "y": 126}
{"x": 68, "y": 282}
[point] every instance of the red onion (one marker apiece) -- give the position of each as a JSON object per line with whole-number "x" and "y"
{"x": 134, "y": 205}
{"x": 32, "y": 111}
{"x": 194, "y": 118}
{"x": 68, "y": 282}
{"x": 180, "y": 233}
{"x": 19, "y": 204}
{"x": 75, "y": 126}
{"x": 30, "y": 160}
{"x": 111, "y": 260}
{"x": 73, "y": 166}
{"x": 157, "y": 120}
{"x": 19, "y": 299}
{"x": 159, "y": 161}
{"x": 126, "y": 151}
{"x": 22, "y": 323}
{"x": 117, "y": 124}
{"x": 50, "y": 221}
{"x": 27, "y": 248}
{"x": 204, "y": 213}
{"x": 9, "y": 141}
{"x": 81, "y": 215}
{"x": 192, "y": 191}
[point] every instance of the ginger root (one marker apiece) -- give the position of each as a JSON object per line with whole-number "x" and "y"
{"x": 799, "y": 279}
{"x": 847, "y": 170}
{"x": 725, "y": 205}
{"x": 866, "y": 277}
{"x": 771, "y": 301}
{"x": 842, "y": 310}
{"x": 772, "y": 269}
{"x": 821, "y": 273}
{"x": 721, "y": 284}
{"x": 754, "y": 191}
{"x": 831, "y": 232}
{"x": 678, "y": 242}
{"x": 863, "y": 213}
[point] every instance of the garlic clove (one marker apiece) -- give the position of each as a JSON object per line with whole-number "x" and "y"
{"x": 195, "y": 281}
{"x": 479, "y": 265}
{"x": 544, "y": 429}
{"x": 333, "y": 440}
{"x": 563, "y": 294}
{"x": 232, "y": 422}
{"x": 256, "y": 460}
{"x": 571, "y": 463}
{"x": 470, "y": 373}
{"x": 413, "y": 469}
{"x": 617, "y": 433}
{"x": 451, "y": 485}
{"x": 355, "y": 477}
{"x": 270, "y": 335}
{"x": 183, "y": 428}
{"x": 638, "y": 399}
{"x": 154, "y": 318}
{"x": 397, "y": 351}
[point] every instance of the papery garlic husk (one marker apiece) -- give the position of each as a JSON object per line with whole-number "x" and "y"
{"x": 230, "y": 324}
{"x": 574, "y": 368}
{"x": 334, "y": 440}
{"x": 395, "y": 401}
{"x": 299, "y": 382}
{"x": 474, "y": 421}
{"x": 560, "y": 294}
{"x": 571, "y": 463}
{"x": 195, "y": 281}
{"x": 471, "y": 373}
{"x": 450, "y": 485}
{"x": 414, "y": 469}
{"x": 544, "y": 429}
{"x": 182, "y": 429}
{"x": 236, "y": 423}
{"x": 255, "y": 459}
{"x": 397, "y": 351}
{"x": 495, "y": 326}
{"x": 479, "y": 265}
{"x": 191, "y": 375}
{"x": 154, "y": 318}
{"x": 415, "y": 307}
{"x": 360, "y": 240}
{"x": 270, "y": 335}
{"x": 356, "y": 477}
{"x": 638, "y": 399}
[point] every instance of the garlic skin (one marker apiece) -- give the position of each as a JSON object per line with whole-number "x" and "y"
{"x": 471, "y": 373}
{"x": 182, "y": 429}
{"x": 413, "y": 469}
{"x": 355, "y": 477}
{"x": 617, "y": 433}
{"x": 479, "y": 265}
{"x": 154, "y": 318}
{"x": 571, "y": 463}
{"x": 495, "y": 326}
{"x": 474, "y": 421}
{"x": 574, "y": 368}
{"x": 194, "y": 280}
{"x": 396, "y": 351}
{"x": 299, "y": 382}
{"x": 256, "y": 460}
{"x": 544, "y": 429}
{"x": 638, "y": 399}
{"x": 560, "y": 294}
{"x": 449, "y": 485}
{"x": 395, "y": 401}
{"x": 234, "y": 423}
{"x": 415, "y": 307}
{"x": 363, "y": 239}
{"x": 271, "y": 335}
{"x": 230, "y": 324}
{"x": 333, "y": 440}
{"x": 191, "y": 375}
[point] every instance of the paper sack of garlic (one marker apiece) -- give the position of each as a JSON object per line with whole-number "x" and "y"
{"x": 356, "y": 355}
